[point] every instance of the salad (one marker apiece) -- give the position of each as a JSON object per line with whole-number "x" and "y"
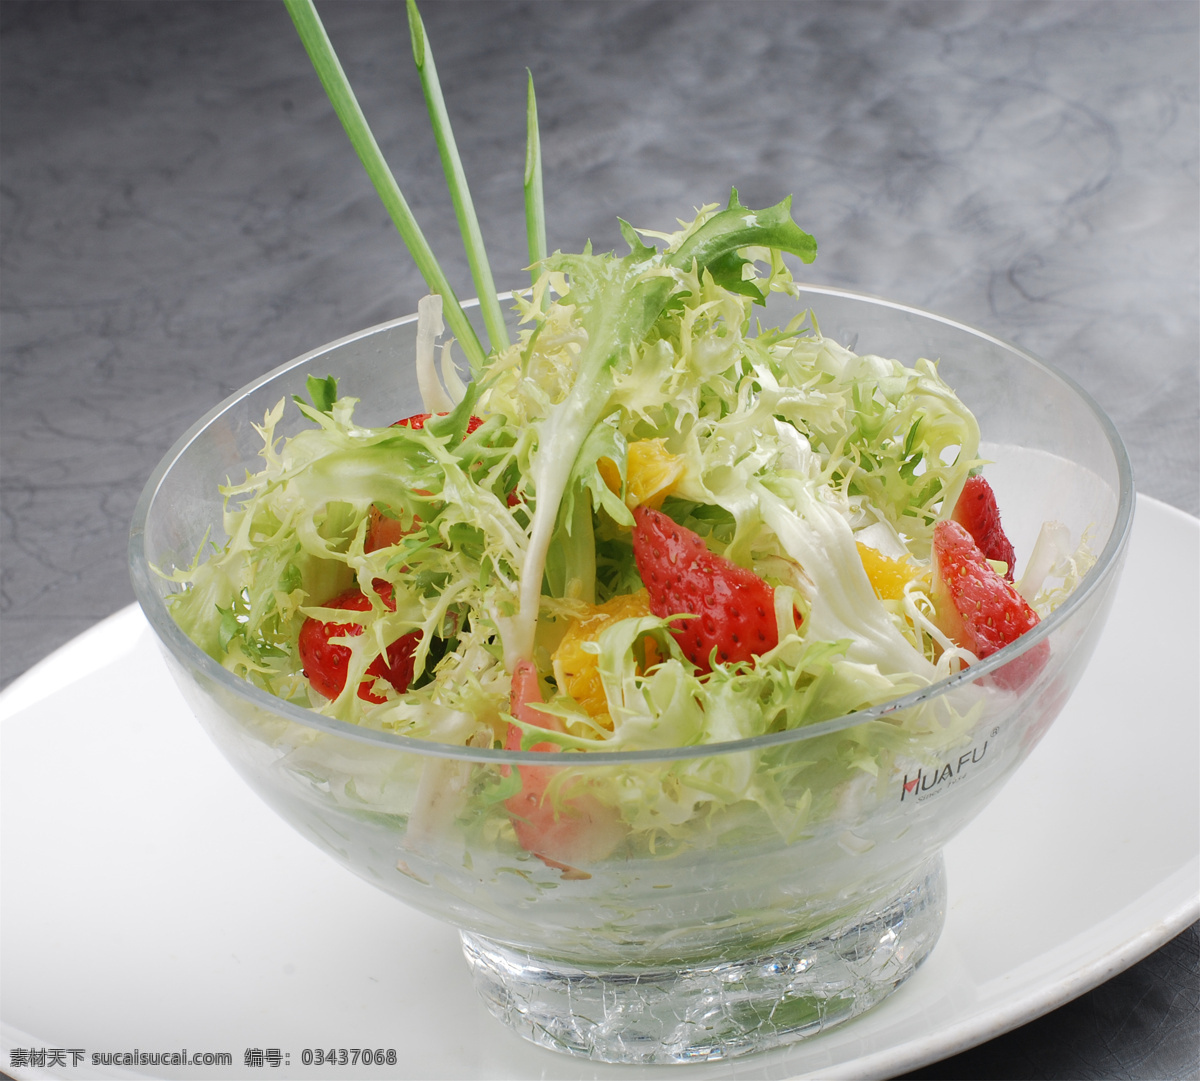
{"x": 650, "y": 519}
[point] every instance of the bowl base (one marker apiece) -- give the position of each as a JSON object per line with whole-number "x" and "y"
{"x": 714, "y": 1010}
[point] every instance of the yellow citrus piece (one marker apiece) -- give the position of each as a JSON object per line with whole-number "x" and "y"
{"x": 577, "y": 671}
{"x": 888, "y": 576}
{"x": 610, "y": 474}
{"x": 651, "y": 470}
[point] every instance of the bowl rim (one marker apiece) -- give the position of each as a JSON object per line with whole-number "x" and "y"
{"x": 171, "y": 637}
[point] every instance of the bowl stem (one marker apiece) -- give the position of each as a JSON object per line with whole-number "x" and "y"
{"x": 698, "y": 1012}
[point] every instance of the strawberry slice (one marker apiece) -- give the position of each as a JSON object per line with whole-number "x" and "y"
{"x": 978, "y": 609}
{"x": 977, "y": 512}
{"x": 418, "y": 421}
{"x": 735, "y": 608}
{"x": 382, "y": 531}
{"x": 326, "y": 663}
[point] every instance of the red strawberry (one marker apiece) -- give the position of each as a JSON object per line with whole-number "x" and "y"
{"x": 735, "y": 608}
{"x": 977, "y": 512}
{"x": 382, "y": 531}
{"x": 417, "y": 420}
{"x": 977, "y": 609}
{"x": 325, "y": 663}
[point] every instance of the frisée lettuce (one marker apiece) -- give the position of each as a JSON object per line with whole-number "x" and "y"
{"x": 487, "y": 545}
{"x": 785, "y": 449}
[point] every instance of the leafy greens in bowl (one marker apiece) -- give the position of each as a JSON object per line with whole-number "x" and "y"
{"x": 662, "y": 649}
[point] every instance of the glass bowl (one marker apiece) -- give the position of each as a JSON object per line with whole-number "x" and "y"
{"x": 753, "y": 927}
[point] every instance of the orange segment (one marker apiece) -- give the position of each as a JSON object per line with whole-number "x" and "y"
{"x": 651, "y": 469}
{"x": 888, "y": 576}
{"x": 610, "y": 474}
{"x": 577, "y": 670}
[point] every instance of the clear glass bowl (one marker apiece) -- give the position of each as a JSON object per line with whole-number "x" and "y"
{"x": 749, "y": 931}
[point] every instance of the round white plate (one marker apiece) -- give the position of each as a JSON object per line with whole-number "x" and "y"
{"x": 152, "y": 905}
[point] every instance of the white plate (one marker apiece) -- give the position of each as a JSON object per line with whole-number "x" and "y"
{"x": 150, "y": 903}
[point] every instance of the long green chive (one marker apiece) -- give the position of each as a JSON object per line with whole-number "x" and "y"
{"x": 456, "y": 181}
{"x": 535, "y": 207}
{"x": 337, "y": 87}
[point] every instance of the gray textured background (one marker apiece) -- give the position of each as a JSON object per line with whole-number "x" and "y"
{"x": 180, "y": 211}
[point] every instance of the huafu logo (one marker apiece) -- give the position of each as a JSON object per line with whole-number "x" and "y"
{"x": 924, "y": 784}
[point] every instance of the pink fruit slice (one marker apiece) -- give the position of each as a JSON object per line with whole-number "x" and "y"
{"x": 978, "y": 609}
{"x": 736, "y": 608}
{"x": 977, "y": 511}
